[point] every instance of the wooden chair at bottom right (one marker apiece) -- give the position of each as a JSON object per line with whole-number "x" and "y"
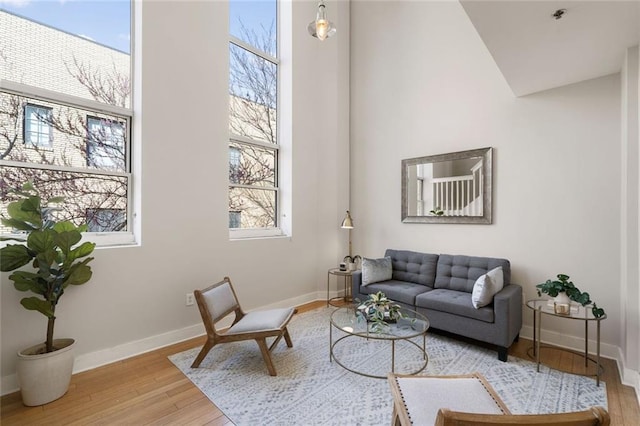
{"x": 593, "y": 416}
{"x": 469, "y": 400}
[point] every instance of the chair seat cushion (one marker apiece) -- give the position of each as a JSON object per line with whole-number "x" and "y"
{"x": 266, "y": 320}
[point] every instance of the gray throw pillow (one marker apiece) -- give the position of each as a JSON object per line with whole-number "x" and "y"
{"x": 376, "y": 270}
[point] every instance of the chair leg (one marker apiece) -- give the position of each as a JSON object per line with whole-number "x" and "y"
{"x": 267, "y": 357}
{"x": 203, "y": 353}
{"x": 287, "y": 338}
{"x": 275, "y": 342}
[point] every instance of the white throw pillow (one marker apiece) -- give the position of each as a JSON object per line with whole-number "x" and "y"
{"x": 486, "y": 287}
{"x": 376, "y": 270}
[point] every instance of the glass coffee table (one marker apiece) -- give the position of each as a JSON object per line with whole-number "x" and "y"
{"x": 362, "y": 348}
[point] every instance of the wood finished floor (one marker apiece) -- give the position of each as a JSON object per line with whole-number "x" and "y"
{"x": 149, "y": 390}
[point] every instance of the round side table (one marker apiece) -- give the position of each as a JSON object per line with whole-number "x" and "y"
{"x": 576, "y": 312}
{"x": 348, "y": 279}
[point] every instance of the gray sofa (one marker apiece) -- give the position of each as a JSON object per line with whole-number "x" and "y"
{"x": 440, "y": 287}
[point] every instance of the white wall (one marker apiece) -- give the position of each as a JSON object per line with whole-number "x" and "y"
{"x": 136, "y": 299}
{"x": 425, "y": 84}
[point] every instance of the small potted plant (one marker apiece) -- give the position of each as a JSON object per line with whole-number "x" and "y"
{"x": 437, "y": 211}
{"x": 564, "y": 288}
{"x": 56, "y": 255}
{"x": 379, "y": 310}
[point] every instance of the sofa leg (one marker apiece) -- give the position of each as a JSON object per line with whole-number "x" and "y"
{"x": 502, "y": 353}
{"x": 517, "y": 337}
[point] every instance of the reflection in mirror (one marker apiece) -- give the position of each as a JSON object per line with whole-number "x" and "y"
{"x": 448, "y": 188}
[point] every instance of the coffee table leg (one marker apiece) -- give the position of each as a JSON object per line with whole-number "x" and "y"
{"x": 330, "y": 342}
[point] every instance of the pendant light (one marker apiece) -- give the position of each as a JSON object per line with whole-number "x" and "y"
{"x": 321, "y": 28}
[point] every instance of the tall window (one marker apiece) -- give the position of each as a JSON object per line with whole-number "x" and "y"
{"x": 253, "y": 118}
{"x": 65, "y": 85}
{"x": 37, "y": 131}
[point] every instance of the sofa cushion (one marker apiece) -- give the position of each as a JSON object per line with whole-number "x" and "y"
{"x": 461, "y": 272}
{"x": 375, "y": 270}
{"x": 399, "y": 291}
{"x": 486, "y": 286}
{"x": 454, "y": 302}
{"x": 414, "y": 267}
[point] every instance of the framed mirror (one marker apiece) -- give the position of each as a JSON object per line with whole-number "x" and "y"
{"x": 448, "y": 188}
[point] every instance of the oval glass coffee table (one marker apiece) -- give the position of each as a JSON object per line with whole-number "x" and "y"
{"x": 363, "y": 348}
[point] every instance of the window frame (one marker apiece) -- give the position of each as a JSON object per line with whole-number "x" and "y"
{"x": 277, "y": 230}
{"x": 123, "y": 114}
{"x": 26, "y": 119}
{"x": 129, "y": 116}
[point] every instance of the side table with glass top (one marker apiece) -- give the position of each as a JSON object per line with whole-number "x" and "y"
{"x": 576, "y": 312}
{"x": 348, "y": 279}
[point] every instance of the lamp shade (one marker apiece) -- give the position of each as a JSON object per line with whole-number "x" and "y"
{"x": 321, "y": 28}
{"x": 347, "y": 222}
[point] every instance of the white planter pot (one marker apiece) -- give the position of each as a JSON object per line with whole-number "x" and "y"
{"x": 562, "y": 299}
{"x": 45, "y": 377}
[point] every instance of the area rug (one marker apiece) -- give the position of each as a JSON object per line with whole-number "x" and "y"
{"x": 311, "y": 390}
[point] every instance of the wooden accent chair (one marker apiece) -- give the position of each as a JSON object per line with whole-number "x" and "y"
{"x": 591, "y": 417}
{"x": 219, "y": 300}
{"x": 469, "y": 400}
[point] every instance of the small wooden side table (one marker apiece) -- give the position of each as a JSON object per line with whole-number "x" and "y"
{"x": 580, "y": 313}
{"x": 348, "y": 279}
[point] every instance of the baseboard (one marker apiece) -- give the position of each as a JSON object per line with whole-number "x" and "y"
{"x": 91, "y": 360}
{"x": 628, "y": 377}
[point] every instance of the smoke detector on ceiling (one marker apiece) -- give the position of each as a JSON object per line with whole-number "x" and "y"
{"x": 558, "y": 14}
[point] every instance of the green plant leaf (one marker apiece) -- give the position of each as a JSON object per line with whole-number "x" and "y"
{"x": 56, "y": 200}
{"x": 41, "y": 241}
{"x": 65, "y": 226}
{"x": 84, "y": 249}
{"x": 36, "y": 304}
{"x": 26, "y": 281}
{"x": 18, "y": 224}
{"x": 66, "y": 239}
{"x": 79, "y": 273}
{"x": 14, "y": 256}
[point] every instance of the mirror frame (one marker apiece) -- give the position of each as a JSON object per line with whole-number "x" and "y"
{"x": 486, "y": 218}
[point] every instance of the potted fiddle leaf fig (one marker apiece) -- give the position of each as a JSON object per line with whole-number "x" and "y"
{"x": 57, "y": 260}
{"x": 562, "y": 287}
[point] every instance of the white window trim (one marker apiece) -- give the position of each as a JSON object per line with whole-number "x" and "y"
{"x": 100, "y": 238}
{"x": 278, "y": 231}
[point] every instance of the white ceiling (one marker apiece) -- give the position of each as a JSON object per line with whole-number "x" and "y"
{"x": 535, "y": 52}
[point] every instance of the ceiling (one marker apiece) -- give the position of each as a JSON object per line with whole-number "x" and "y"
{"x": 535, "y": 51}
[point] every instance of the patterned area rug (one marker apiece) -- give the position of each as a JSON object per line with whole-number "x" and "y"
{"x": 310, "y": 390}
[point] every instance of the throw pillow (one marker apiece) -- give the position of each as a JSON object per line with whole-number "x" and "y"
{"x": 376, "y": 270}
{"x": 486, "y": 287}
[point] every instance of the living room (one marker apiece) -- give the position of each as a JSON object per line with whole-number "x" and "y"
{"x": 400, "y": 79}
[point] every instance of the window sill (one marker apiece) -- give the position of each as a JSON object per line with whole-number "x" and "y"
{"x": 255, "y": 234}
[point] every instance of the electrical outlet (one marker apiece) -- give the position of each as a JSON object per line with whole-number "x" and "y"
{"x": 190, "y": 300}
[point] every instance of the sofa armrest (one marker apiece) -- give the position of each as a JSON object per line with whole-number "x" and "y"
{"x": 356, "y": 282}
{"x": 507, "y": 305}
